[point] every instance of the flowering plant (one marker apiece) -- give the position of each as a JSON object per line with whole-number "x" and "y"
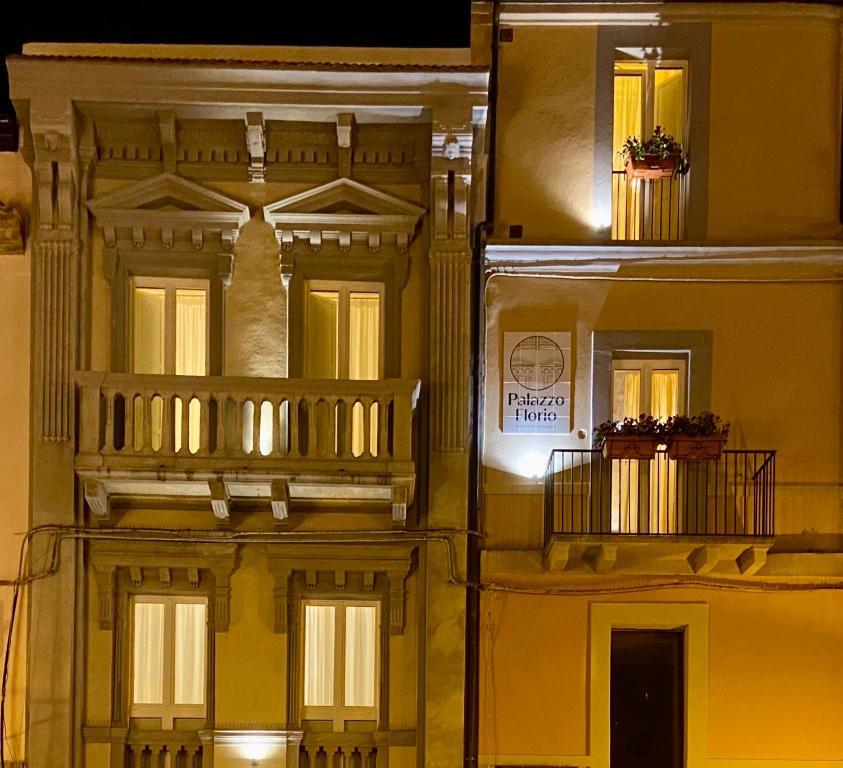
{"x": 705, "y": 424}
{"x": 644, "y": 426}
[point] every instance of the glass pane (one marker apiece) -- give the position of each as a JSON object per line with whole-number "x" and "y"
{"x": 189, "y": 657}
{"x": 148, "y": 656}
{"x": 148, "y": 331}
{"x": 319, "y": 656}
{"x": 363, "y": 335}
{"x": 669, "y": 105}
{"x": 190, "y": 332}
{"x": 360, "y": 634}
{"x": 664, "y": 394}
{"x": 321, "y": 328}
{"x": 626, "y": 394}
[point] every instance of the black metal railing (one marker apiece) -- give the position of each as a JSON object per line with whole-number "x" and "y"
{"x": 585, "y": 493}
{"x": 648, "y": 209}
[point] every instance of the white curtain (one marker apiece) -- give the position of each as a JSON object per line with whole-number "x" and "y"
{"x": 360, "y": 653}
{"x": 627, "y": 121}
{"x": 189, "y": 655}
{"x": 148, "y": 356}
{"x": 626, "y": 402}
{"x": 319, "y": 655}
{"x": 322, "y": 327}
{"x": 364, "y": 362}
{"x": 148, "y": 656}
{"x": 664, "y": 397}
{"x": 190, "y": 356}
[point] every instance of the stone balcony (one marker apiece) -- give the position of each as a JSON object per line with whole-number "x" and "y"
{"x": 238, "y": 439}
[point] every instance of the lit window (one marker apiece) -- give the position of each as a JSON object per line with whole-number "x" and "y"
{"x": 656, "y": 387}
{"x": 169, "y": 337}
{"x": 343, "y": 340}
{"x": 340, "y": 661}
{"x": 169, "y": 638}
{"x": 648, "y": 94}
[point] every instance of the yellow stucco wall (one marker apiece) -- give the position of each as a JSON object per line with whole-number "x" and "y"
{"x": 545, "y": 133}
{"x": 763, "y": 358}
{"x": 775, "y": 673}
{"x": 773, "y": 138}
{"x": 774, "y": 130}
{"x": 14, "y": 447}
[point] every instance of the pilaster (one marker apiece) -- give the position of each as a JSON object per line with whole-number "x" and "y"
{"x": 450, "y": 260}
{"x": 51, "y": 148}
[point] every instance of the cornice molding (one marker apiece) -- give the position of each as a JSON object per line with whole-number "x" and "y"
{"x": 550, "y": 14}
{"x": 550, "y": 259}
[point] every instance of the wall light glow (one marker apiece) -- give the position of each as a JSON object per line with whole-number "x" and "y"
{"x": 532, "y": 463}
{"x": 254, "y": 747}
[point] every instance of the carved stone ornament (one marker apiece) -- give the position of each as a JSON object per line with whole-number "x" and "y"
{"x": 344, "y": 211}
{"x": 359, "y": 562}
{"x": 11, "y": 230}
{"x": 164, "y": 206}
{"x": 156, "y": 564}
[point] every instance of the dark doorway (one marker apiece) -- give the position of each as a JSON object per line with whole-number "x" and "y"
{"x": 647, "y": 699}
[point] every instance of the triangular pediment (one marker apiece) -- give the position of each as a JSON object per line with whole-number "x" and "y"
{"x": 168, "y": 203}
{"x": 344, "y": 210}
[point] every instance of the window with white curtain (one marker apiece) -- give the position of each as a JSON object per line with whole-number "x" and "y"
{"x": 169, "y": 638}
{"x": 344, "y": 330}
{"x": 647, "y": 93}
{"x": 340, "y": 660}
{"x": 169, "y": 336}
{"x": 656, "y": 387}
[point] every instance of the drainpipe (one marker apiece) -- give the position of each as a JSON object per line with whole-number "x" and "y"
{"x": 477, "y": 287}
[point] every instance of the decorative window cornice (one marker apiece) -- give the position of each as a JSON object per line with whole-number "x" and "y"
{"x": 344, "y": 210}
{"x": 164, "y": 207}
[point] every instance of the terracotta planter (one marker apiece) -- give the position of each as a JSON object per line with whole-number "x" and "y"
{"x": 637, "y": 447}
{"x": 700, "y": 448}
{"x": 652, "y": 167}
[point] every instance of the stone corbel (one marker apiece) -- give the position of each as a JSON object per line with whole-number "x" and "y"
{"x": 345, "y": 141}
{"x": 168, "y": 128}
{"x": 286, "y": 264}
{"x": 397, "y": 590}
{"x": 222, "y": 598}
{"x": 450, "y": 168}
{"x": 105, "y": 579}
{"x": 256, "y": 144}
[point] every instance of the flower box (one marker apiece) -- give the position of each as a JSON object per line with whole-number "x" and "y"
{"x": 653, "y": 167}
{"x": 696, "y": 447}
{"x": 637, "y": 447}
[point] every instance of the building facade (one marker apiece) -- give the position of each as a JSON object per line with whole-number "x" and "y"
{"x": 315, "y": 348}
{"x": 663, "y": 611}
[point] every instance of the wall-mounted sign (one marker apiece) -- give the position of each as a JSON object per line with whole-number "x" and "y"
{"x": 536, "y": 382}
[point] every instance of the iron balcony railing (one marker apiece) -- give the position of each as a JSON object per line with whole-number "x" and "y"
{"x": 648, "y": 209}
{"x": 586, "y": 493}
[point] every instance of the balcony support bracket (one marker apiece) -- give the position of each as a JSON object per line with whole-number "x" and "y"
{"x": 280, "y": 503}
{"x": 220, "y": 502}
{"x": 751, "y": 560}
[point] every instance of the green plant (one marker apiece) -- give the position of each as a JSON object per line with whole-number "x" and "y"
{"x": 704, "y": 424}
{"x": 644, "y": 426}
{"x": 660, "y": 144}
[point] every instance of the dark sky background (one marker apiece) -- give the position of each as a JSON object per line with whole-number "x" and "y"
{"x": 426, "y": 24}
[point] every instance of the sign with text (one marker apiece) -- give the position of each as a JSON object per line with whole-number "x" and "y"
{"x": 536, "y": 382}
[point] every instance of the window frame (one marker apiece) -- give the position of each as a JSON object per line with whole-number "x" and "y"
{"x": 167, "y": 711}
{"x": 646, "y": 364}
{"x": 170, "y": 286}
{"x": 338, "y": 713}
{"x": 344, "y": 288}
